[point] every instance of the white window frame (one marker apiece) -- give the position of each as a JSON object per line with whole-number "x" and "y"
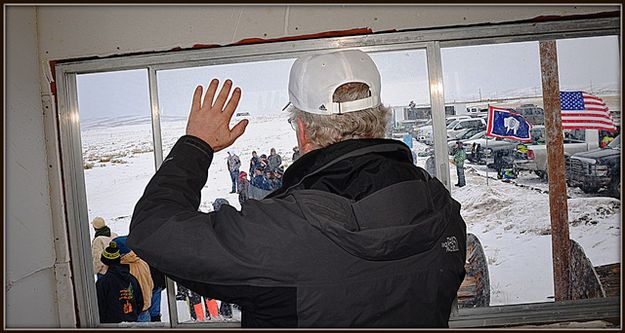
{"x": 431, "y": 40}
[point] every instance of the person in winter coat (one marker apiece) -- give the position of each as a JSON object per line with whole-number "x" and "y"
{"x": 260, "y": 180}
{"x": 218, "y": 203}
{"x": 605, "y": 140}
{"x": 337, "y": 245}
{"x": 234, "y": 163}
{"x": 103, "y": 236}
{"x": 119, "y": 294}
{"x": 260, "y": 186}
{"x": 264, "y": 162}
{"x": 159, "y": 285}
{"x": 193, "y": 300}
{"x": 296, "y": 153}
{"x": 254, "y": 162}
{"x": 274, "y": 159}
{"x": 140, "y": 270}
{"x": 243, "y": 187}
{"x": 430, "y": 166}
{"x": 459, "y": 157}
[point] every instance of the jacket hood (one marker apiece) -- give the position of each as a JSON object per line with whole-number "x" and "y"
{"x": 364, "y": 218}
{"x": 374, "y": 228}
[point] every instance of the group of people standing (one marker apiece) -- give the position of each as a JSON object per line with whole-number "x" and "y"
{"x": 265, "y": 174}
{"x": 128, "y": 289}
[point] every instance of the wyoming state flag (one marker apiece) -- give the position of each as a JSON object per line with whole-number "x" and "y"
{"x": 504, "y": 123}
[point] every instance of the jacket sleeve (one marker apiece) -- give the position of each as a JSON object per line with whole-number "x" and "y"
{"x": 169, "y": 233}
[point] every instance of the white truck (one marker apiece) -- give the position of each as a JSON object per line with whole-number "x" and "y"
{"x": 424, "y": 133}
{"x": 460, "y": 125}
{"x": 574, "y": 142}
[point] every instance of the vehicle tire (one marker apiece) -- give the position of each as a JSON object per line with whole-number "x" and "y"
{"x": 615, "y": 187}
{"x": 542, "y": 174}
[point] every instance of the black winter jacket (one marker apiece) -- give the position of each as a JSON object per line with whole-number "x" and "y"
{"x": 119, "y": 295}
{"x": 356, "y": 237}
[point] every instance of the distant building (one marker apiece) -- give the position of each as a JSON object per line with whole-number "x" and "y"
{"x": 423, "y": 113}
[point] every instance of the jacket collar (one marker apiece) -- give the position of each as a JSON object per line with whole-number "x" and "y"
{"x": 315, "y": 162}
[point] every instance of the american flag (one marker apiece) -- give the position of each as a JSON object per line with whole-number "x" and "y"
{"x": 581, "y": 110}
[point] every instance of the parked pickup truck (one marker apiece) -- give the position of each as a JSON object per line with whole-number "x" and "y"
{"x": 424, "y": 133}
{"x": 537, "y": 161}
{"x": 596, "y": 169}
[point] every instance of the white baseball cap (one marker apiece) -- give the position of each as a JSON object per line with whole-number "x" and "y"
{"x": 314, "y": 79}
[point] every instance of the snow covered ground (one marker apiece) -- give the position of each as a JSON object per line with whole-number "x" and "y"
{"x": 511, "y": 221}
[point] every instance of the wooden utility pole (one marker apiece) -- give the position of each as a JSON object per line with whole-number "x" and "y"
{"x": 558, "y": 207}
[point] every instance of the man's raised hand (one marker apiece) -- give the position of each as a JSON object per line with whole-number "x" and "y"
{"x": 210, "y": 121}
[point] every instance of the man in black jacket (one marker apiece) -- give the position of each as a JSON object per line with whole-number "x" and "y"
{"x": 357, "y": 236}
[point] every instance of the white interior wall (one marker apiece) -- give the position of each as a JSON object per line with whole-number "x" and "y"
{"x": 61, "y": 32}
{"x": 69, "y": 32}
{"x": 30, "y": 255}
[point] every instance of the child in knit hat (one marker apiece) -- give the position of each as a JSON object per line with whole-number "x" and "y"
{"x": 119, "y": 293}
{"x": 103, "y": 236}
{"x": 140, "y": 270}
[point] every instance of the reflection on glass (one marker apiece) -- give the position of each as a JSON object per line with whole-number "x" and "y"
{"x": 506, "y": 202}
{"x": 117, "y": 151}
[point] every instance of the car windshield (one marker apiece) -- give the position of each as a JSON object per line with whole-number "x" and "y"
{"x": 538, "y": 136}
{"x": 616, "y": 143}
{"x": 452, "y": 124}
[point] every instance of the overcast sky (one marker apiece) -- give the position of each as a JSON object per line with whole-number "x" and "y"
{"x": 502, "y": 70}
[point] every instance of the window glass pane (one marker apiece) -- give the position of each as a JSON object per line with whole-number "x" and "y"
{"x": 117, "y": 150}
{"x": 592, "y": 65}
{"x": 505, "y": 201}
{"x": 405, "y": 89}
{"x": 263, "y": 96}
{"x": 510, "y": 265}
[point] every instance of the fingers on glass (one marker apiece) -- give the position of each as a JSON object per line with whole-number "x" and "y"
{"x": 223, "y": 95}
{"x": 197, "y": 97}
{"x": 210, "y": 93}
{"x": 233, "y": 102}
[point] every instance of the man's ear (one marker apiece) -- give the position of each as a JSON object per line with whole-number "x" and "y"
{"x": 305, "y": 145}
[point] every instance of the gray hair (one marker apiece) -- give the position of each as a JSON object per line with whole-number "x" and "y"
{"x": 324, "y": 130}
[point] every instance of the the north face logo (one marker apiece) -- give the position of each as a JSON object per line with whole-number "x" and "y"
{"x": 451, "y": 244}
{"x": 323, "y": 108}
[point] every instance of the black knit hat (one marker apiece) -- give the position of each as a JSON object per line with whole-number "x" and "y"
{"x": 111, "y": 255}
